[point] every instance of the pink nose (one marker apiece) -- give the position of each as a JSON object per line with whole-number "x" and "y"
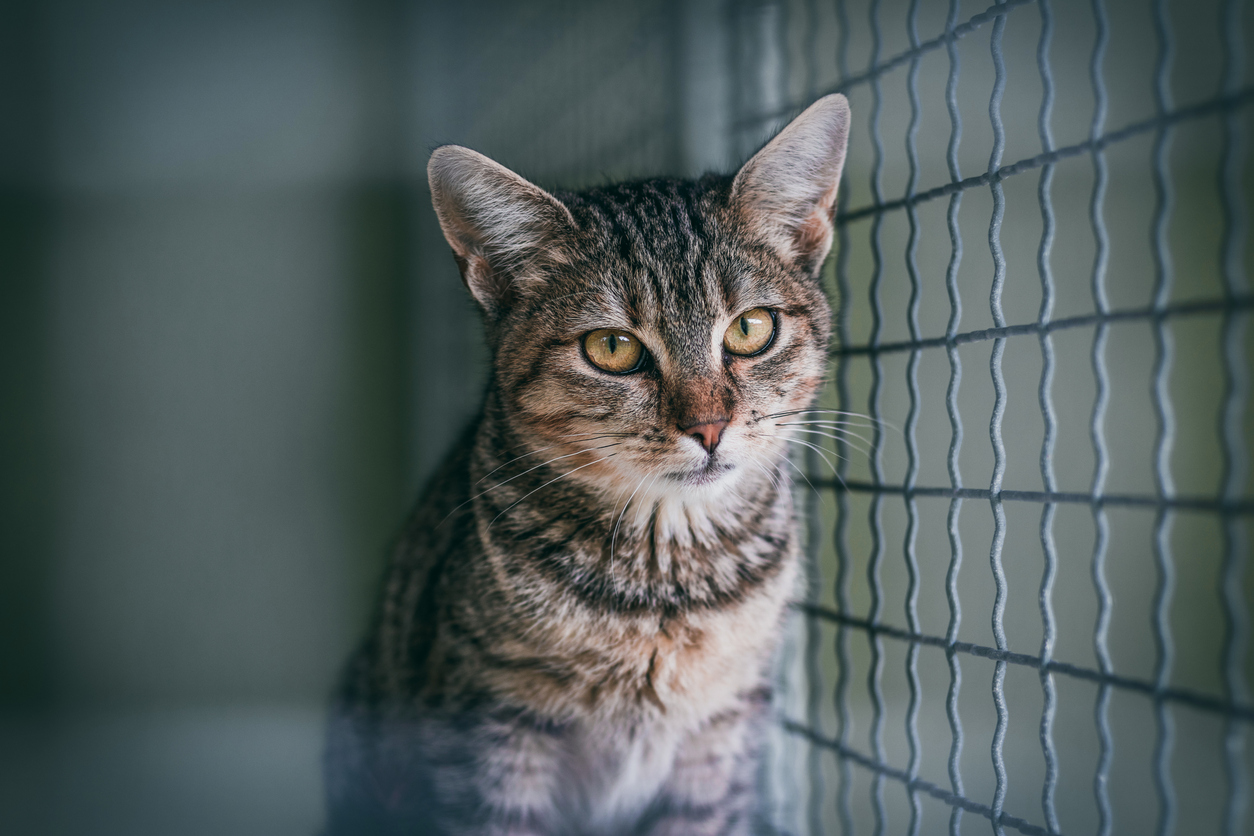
{"x": 706, "y": 432}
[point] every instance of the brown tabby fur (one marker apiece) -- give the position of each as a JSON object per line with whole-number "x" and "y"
{"x": 575, "y": 631}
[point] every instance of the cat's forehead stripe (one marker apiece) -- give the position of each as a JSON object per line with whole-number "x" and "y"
{"x": 661, "y": 232}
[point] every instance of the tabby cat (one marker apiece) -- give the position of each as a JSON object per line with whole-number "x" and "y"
{"x": 575, "y": 633}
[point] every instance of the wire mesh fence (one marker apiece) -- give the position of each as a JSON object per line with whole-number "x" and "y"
{"x": 1043, "y": 350}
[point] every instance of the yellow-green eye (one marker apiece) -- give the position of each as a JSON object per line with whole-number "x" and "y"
{"x": 612, "y": 350}
{"x": 750, "y": 332}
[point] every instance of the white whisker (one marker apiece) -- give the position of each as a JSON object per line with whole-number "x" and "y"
{"x": 822, "y": 453}
{"x": 815, "y": 448}
{"x": 769, "y": 469}
{"x": 866, "y": 451}
{"x": 860, "y": 415}
{"x": 828, "y": 422}
{"x": 511, "y": 461}
{"x": 594, "y": 437}
{"x": 524, "y": 473}
{"x": 550, "y": 482}
{"x": 853, "y": 440}
{"x": 618, "y": 522}
{"x": 793, "y": 465}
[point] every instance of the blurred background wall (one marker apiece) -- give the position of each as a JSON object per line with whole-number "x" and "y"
{"x": 233, "y": 343}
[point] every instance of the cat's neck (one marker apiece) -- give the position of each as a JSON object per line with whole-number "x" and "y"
{"x": 643, "y": 547}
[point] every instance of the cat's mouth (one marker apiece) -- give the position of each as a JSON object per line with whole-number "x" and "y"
{"x": 713, "y": 470}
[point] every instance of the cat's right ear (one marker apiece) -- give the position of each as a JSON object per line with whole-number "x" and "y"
{"x": 497, "y": 223}
{"x": 787, "y": 191}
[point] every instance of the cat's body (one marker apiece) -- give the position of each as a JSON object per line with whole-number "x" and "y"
{"x": 576, "y": 630}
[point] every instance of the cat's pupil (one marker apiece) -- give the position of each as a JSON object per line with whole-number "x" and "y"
{"x": 613, "y": 345}
{"x": 744, "y": 326}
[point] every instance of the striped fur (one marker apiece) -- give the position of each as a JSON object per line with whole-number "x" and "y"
{"x": 575, "y": 631}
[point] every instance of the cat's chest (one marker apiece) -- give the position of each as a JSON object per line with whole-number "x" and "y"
{"x": 665, "y": 687}
{"x": 684, "y": 668}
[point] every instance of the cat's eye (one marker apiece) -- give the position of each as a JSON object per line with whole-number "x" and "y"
{"x": 613, "y": 351}
{"x": 750, "y": 332}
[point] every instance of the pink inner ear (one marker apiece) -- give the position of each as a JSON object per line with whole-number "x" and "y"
{"x": 485, "y": 284}
{"x": 814, "y": 234}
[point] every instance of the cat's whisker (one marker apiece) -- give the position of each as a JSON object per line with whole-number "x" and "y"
{"x": 516, "y": 458}
{"x": 834, "y": 426}
{"x": 842, "y": 431}
{"x": 548, "y": 462}
{"x": 829, "y": 422}
{"x": 823, "y": 454}
{"x": 802, "y": 472}
{"x": 652, "y": 484}
{"x": 860, "y": 415}
{"x": 817, "y": 410}
{"x": 767, "y": 462}
{"x": 759, "y": 465}
{"x": 524, "y": 473}
{"x": 880, "y": 422}
{"x": 835, "y": 472}
{"x": 843, "y": 436}
{"x": 823, "y": 413}
{"x": 866, "y": 451}
{"x": 769, "y": 467}
{"x": 776, "y": 476}
{"x": 550, "y": 482}
{"x": 614, "y": 535}
{"x": 586, "y": 436}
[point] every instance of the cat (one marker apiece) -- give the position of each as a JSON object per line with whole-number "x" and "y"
{"x": 576, "y": 630}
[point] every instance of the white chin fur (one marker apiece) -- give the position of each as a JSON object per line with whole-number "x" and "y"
{"x": 686, "y": 507}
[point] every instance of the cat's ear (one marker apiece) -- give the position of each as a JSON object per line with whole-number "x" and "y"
{"x": 497, "y": 223}
{"x": 786, "y": 193}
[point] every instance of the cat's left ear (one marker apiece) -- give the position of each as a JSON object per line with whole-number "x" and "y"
{"x": 499, "y": 225}
{"x": 786, "y": 194}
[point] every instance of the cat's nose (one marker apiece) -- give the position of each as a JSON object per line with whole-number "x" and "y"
{"x": 707, "y": 432}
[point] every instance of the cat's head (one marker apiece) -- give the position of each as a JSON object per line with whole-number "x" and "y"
{"x": 659, "y": 331}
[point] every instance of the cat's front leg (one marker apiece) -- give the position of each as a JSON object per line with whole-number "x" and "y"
{"x": 518, "y": 778}
{"x": 712, "y": 789}
{"x": 463, "y": 775}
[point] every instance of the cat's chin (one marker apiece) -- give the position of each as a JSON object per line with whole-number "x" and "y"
{"x": 713, "y": 470}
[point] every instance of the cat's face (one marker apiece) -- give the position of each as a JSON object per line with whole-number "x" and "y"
{"x": 655, "y": 336}
{"x": 665, "y": 346}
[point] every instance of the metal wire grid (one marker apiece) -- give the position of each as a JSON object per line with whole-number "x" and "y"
{"x": 1232, "y": 312}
